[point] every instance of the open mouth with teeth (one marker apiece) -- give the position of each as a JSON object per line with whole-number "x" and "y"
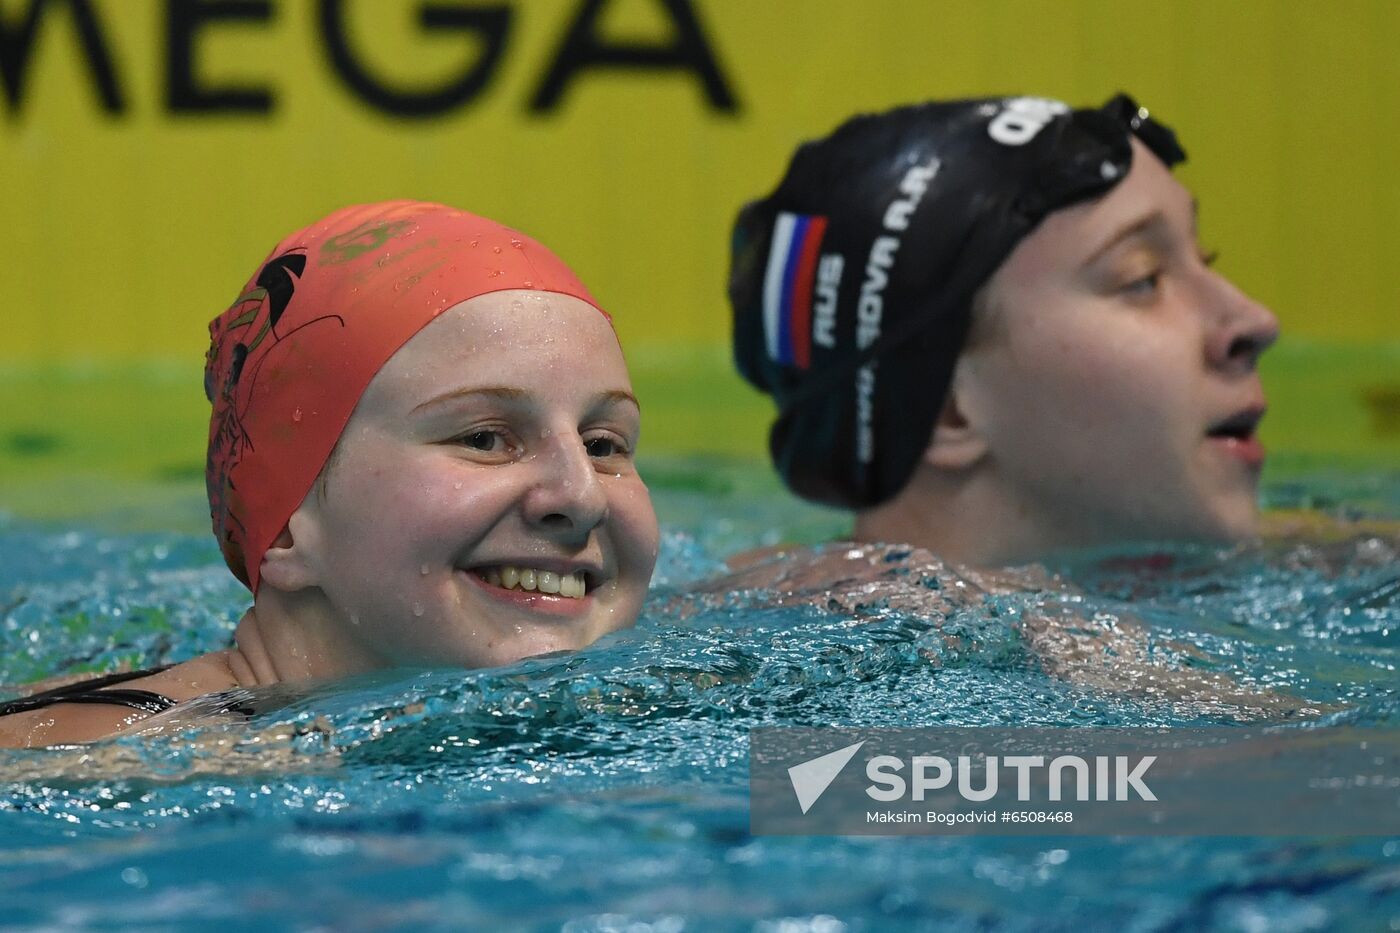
{"x": 510, "y": 577}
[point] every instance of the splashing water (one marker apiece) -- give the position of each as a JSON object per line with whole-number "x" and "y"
{"x": 608, "y": 789}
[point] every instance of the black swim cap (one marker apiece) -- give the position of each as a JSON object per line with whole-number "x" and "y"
{"x": 852, "y": 283}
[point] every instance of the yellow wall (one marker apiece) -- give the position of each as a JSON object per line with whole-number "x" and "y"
{"x": 123, "y": 234}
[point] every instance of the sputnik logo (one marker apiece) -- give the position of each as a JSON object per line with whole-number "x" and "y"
{"x": 811, "y": 778}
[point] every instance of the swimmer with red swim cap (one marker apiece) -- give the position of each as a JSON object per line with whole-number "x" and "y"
{"x": 421, "y": 453}
{"x": 991, "y": 332}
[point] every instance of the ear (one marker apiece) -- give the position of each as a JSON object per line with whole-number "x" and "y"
{"x": 287, "y": 565}
{"x": 956, "y": 444}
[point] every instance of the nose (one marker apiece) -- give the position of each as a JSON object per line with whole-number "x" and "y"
{"x": 1243, "y": 330}
{"x": 567, "y": 499}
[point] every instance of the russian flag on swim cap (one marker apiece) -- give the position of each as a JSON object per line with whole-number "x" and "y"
{"x": 787, "y": 287}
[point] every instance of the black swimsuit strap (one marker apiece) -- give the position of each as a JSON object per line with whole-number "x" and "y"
{"x": 136, "y": 699}
{"x": 91, "y": 691}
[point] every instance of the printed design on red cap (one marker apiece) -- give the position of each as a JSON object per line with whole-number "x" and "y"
{"x": 369, "y": 235}
{"x": 225, "y": 385}
{"x": 787, "y": 287}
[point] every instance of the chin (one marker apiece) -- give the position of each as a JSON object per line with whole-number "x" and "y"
{"x": 1233, "y": 522}
{"x": 519, "y": 652}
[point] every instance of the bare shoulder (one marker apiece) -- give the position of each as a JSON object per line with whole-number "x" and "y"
{"x": 76, "y": 723}
{"x": 1031, "y": 578}
{"x": 747, "y": 560}
{"x": 197, "y": 677}
{"x": 848, "y": 575}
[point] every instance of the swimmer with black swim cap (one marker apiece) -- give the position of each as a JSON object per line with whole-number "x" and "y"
{"x": 990, "y": 330}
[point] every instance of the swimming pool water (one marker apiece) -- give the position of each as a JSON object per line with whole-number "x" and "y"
{"x": 607, "y": 790}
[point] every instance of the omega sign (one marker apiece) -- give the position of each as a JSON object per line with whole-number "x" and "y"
{"x": 488, "y": 27}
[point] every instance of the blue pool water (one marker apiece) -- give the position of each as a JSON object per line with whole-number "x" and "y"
{"x": 608, "y": 790}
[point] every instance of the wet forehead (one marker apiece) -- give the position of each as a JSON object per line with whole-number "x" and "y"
{"x": 537, "y": 340}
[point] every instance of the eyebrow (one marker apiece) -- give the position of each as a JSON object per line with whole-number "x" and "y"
{"x": 511, "y": 393}
{"x": 1136, "y": 228}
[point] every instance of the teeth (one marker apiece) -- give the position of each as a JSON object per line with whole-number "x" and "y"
{"x": 572, "y": 585}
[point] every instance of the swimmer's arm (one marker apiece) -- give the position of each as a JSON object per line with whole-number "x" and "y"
{"x": 1117, "y": 658}
{"x": 66, "y": 724}
{"x": 278, "y": 750}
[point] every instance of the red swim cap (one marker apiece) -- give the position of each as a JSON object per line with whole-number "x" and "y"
{"x": 290, "y": 358}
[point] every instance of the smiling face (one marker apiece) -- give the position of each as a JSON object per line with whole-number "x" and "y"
{"x": 1112, "y": 375}
{"x": 483, "y": 504}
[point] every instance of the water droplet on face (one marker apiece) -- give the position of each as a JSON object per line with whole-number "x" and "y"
{"x": 472, "y": 244}
{"x": 493, "y": 273}
{"x": 516, "y": 243}
{"x": 423, "y": 570}
{"x": 418, "y": 610}
{"x": 456, "y": 485}
{"x": 296, "y": 414}
{"x": 528, "y": 284}
{"x": 545, "y": 432}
